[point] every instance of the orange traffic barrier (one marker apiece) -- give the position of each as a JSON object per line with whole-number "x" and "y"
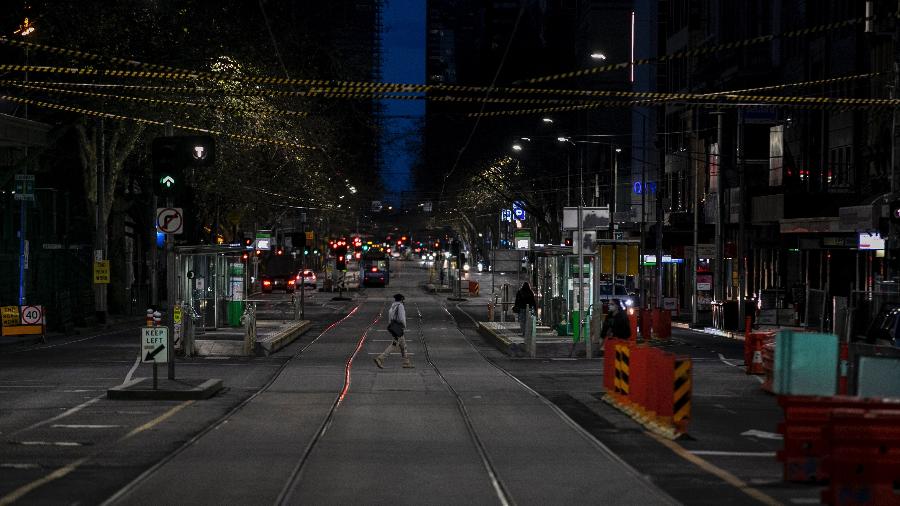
{"x": 662, "y": 324}
{"x": 633, "y": 324}
{"x": 646, "y": 321}
{"x": 651, "y": 386}
{"x": 864, "y": 462}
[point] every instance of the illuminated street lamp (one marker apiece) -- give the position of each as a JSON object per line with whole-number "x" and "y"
{"x": 598, "y": 56}
{"x": 517, "y": 147}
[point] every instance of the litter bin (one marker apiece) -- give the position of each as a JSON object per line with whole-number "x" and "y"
{"x": 576, "y": 332}
{"x": 234, "y": 310}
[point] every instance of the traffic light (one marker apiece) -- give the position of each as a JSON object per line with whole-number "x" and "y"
{"x": 172, "y": 155}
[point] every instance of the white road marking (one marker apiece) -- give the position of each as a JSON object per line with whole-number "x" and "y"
{"x": 16, "y": 465}
{"x": 28, "y": 386}
{"x": 761, "y": 434}
{"x": 47, "y": 443}
{"x": 137, "y": 362}
{"x": 82, "y": 426}
{"x": 716, "y": 453}
{"x": 726, "y": 362}
{"x": 64, "y": 414}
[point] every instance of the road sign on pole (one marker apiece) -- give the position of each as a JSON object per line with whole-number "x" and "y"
{"x": 24, "y": 187}
{"x": 170, "y": 220}
{"x": 32, "y": 315}
{"x": 154, "y": 344}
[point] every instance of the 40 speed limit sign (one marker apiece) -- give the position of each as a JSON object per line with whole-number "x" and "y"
{"x": 32, "y": 315}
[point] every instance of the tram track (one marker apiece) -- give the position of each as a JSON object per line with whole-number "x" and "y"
{"x": 123, "y": 493}
{"x": 581, "y": 431}
{"x": 503, "y": 493}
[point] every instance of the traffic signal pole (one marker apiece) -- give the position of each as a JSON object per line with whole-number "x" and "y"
{"x": 170, "y": 282}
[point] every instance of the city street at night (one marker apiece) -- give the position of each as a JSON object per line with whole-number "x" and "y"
{"x": 449, "y": 252}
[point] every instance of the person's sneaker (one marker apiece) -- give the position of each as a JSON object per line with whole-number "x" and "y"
{"x": 408, "y": 365}
{"x": 379, "y": 362}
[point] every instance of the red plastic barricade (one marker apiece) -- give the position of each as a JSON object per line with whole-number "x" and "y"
{"x": 806, "y": 444}
{"x": 646, "y": 322}
{"x": 662, "y": 324}
{"x": 864, "y": 464}
{"x": 633, "y": 325}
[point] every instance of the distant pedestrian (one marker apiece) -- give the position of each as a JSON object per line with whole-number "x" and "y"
{"x": 524, "y": 302}
{"x": 616, "y": 322}
{"x": 397, "y": 328}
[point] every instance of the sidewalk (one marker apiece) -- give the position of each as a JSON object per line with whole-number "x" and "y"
{"x": 738, "y": 335}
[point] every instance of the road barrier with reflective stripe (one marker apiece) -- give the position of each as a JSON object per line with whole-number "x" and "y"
{"x": 650, "y": 385}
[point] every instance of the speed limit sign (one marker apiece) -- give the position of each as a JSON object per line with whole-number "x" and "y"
{"x": 32, "y": 315}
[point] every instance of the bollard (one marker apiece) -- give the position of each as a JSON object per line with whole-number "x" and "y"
{"x": 149, "y": 317}
{"x": 633, "y": 325}
{"x": 843, "y": 368}
{"x": 157, "y": 318}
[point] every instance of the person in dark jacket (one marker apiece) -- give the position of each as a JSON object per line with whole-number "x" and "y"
{"x": 524, "y": 301}
{"x": 616, "y": 322}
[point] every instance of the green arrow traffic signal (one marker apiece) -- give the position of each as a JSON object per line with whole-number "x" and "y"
{"x": 167, "y": 181}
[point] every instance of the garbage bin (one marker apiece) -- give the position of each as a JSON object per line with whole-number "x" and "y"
{"x": 234, "y": 310}
{"x": 576, "y": 332}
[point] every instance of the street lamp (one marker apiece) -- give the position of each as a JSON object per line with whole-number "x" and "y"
{"x": 598, "y": 55}
{"x": 517, "y": 147}
{"x": 547, "y": 120}
{"x": 25, "y": 29}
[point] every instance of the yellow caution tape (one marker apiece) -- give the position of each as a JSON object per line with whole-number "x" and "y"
{"x": 88, "y": 112}
{"x": 701, "y": 50}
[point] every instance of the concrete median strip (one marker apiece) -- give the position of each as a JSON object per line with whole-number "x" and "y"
{"x": 281, "y": 338}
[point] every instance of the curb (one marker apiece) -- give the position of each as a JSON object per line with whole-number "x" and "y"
{"x": 282, "y": 338}
{"x": 130, "y": 391}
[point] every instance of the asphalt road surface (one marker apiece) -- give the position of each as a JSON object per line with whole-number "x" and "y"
{"x": 319, "y": 423}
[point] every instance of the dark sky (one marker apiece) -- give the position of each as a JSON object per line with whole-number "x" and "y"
{"x": 404, "y": 62}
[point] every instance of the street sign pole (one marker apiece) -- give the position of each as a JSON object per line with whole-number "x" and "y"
{"x": 170, "y": 279}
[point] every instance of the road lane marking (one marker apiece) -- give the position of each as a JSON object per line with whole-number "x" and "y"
{"x": 46, "y": 443}
{"x": 725, "y": 361}
{"x": 83, "y": 426}
{"x": 62, "y": 415}
{"x": 716, "y": 453}
{"x": 17, "y": 465}
{"x": 720, "y": 473}
{"x": 18, "y": 493}
{"x": 761, "y": 434}
{"x": 15, "y": 495}
{"x": 137, "y": 362}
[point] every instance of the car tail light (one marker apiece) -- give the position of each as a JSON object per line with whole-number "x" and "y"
{"x": 374, "y": 269}
{"x": 291, "y": 282}
{"x": 267, "y": 283}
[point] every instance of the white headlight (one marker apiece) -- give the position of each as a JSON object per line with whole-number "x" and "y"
{"x": 629, "y": 302}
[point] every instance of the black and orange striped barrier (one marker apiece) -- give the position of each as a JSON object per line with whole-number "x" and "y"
{"x": 650, "y": 385}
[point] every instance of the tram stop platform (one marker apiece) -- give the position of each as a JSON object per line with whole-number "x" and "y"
{"x": 508, "y": 339}
{"x": 271, "y": 336}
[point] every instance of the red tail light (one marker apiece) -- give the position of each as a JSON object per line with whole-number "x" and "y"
{"x": 291, "y": 282}
{"x": 267, "y": 283}
{"x": 374, "y": 269}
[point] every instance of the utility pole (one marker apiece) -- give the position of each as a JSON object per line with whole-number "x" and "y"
{"x": 580, "y": 298}
{"x": 695, "y": 258}
{"x": 100, "y": 289}
{"x": 719, "y": 273}
{"x": 741, "y": 244}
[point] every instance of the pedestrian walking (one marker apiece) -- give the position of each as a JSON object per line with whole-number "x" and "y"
{"x": 524, "y": 302}
{"x": 396, "y": 327}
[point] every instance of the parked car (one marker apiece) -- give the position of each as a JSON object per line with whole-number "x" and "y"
{"x": 307, "y": 276}
{"x": 885, "y": 327}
